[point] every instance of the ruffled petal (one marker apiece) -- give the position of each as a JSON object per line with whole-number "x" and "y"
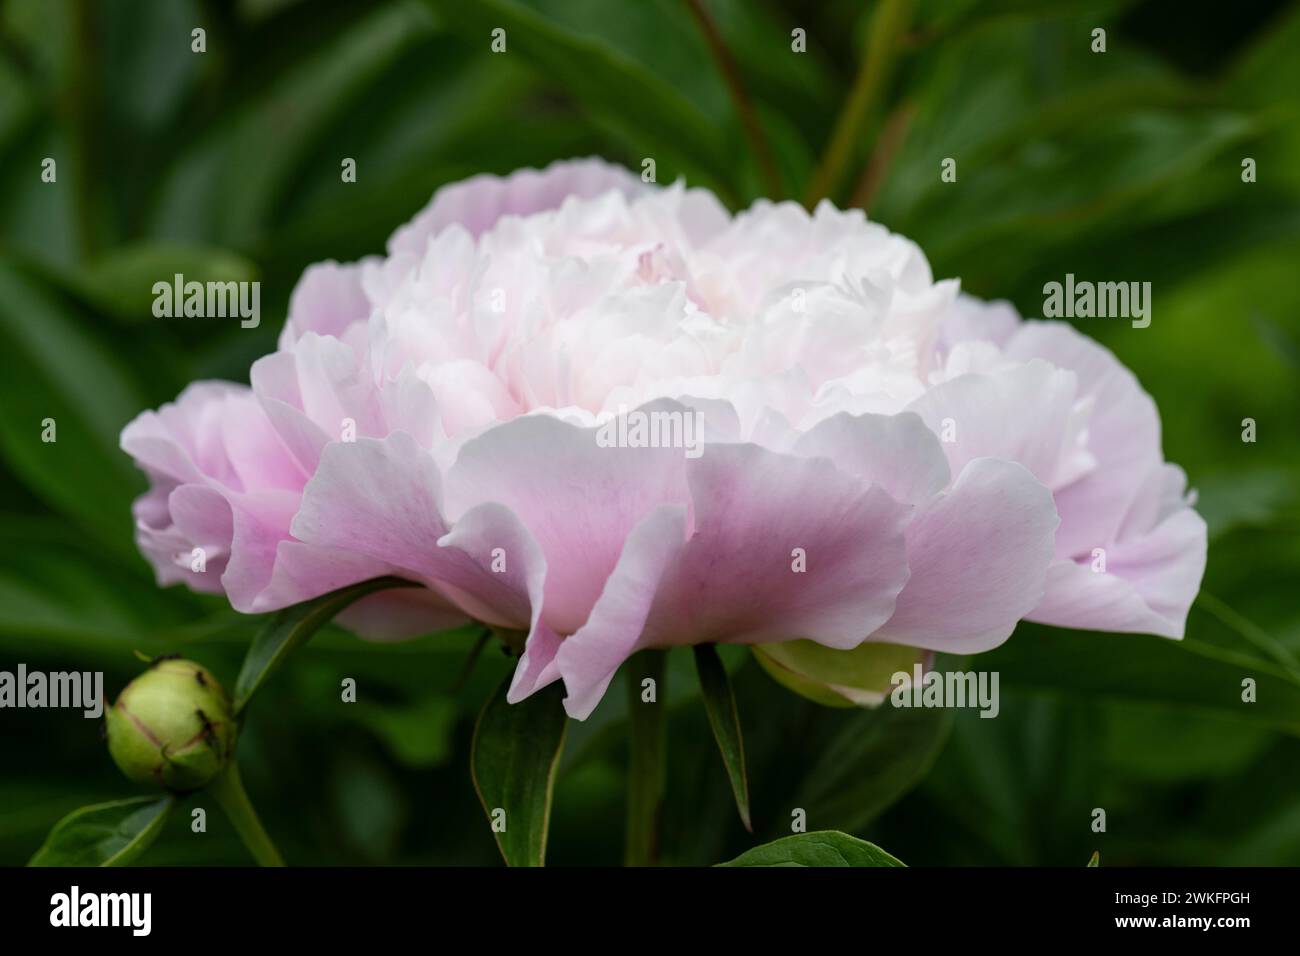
{"x": 382, "y": 500}
{"x": 1123, "y": 435}
{"x": 1152, "y": 573}
{"x": 327, "y": 300}
{"x": 579, "y": 499}
{"x": 401, "y": 613}
{"x": 477, "y": 203}
{"x": 1024, "y": 414}
{"x": 896, "y": 452}
{"x": 783, "y": 547}
{"x": 311, "y": 391}
{"x": 588, "y": 659}
{"x": 979, "y": 556}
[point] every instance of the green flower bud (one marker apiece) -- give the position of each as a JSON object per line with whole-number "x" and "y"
{"x": 172, "y": 726}
{"x": 861, "y": 677}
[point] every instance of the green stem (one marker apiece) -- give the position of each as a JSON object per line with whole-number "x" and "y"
{"x": 229, "y": 791}
{"x": 647, "y": 733}
{"x": 884, "y": 43}
{"x": 1248, "y": 630}
{"x": 739, "y": 97}
{"x": 83, "y": 113}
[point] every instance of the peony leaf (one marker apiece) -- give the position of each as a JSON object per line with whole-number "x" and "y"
{"x": 513, "y": 758}
{"x": 875, "y": 758}
{"x": 209, "y": 194}
{"x": 887, "y": 27}
{"x": 1192, "y": 672}
{"x": 66, "y": 400}
{"x": 293, "y": 627}
{"x": 105, "y": 834}
{"x": 53, "y": 587}
{"x": 121, "y": 282}
{"x": 720, "y": 704}
{"x": 605, "y": 82}
{"x": 418, "y": 734}
{"x": 822, "y": 848}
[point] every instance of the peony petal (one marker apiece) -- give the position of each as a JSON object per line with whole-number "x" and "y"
{"x": 173, "y": 440}
{"x": 756, "y": 513}
{"x": 381, "y": 500}
{"x": 979, "y": 557}
{"x": 1024, "y": 414}
{"x": 169, "y": 548}
{"x": 310, "y": 391}
{"x": 974, "y": 320}
{"x": 896, "y": 452}
{"x": 1148, "y": 586}
{"x": 589, "y": 658}
{"x": 479, "y": 202}
{"x": 401, "y": 613}
{"x": 294, "y": 572}
{"x": 254, "y": 457}
{"x": 327, "y": 300}
{"x": 203, "y": 516}
{"x": 492, "y": 538}
{"x": 1123, "y": 434}
{"x": 268, "y": 570}
{"x": 578, "y": 499}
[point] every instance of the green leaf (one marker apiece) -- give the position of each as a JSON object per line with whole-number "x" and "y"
{"x": 1151, "y": 742}
{"x": 513, "y": 758}
{"x": 874, "y": 759}
{"x": 1095, "y": 859}
{"x": 606, "y": 82}
{"x": 418, "y": 734}
{"x": 888, "y": 25}
{"x": 1251, "y": 497}
{"x": 105, "y": 834}
{"x": 1192, "y": 672}
{"x": 294, "y": 627}
{"x": 121, "y": 282}
{"x": 724, "y": 719}
{"x": 822, "y": 848}
{"x": 210, "y": 193}
{"x": 370, "y": 806}
{"x": 51, "y": 369}
{"x": 44, "y": 563}
{"x": 1033, "y": 161}
{"x": 1014, "y": 786}
{"x": 647, "y": 769}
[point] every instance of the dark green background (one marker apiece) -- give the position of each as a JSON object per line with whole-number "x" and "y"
{"x": 1122, "y": 166}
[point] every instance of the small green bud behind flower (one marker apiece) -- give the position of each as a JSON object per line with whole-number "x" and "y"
{"x": 861, "y": 677}
{"x": 173, "y": 726}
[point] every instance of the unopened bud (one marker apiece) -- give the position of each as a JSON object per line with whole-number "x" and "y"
{"x": 861, "y": 677}
{"x": 172, "y": 726}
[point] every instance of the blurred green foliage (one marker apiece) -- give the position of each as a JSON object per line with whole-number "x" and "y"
{"x": 1123, "y": 165}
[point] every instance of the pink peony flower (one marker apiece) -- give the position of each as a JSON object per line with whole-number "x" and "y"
{"x": 1130, "y": 551}
{"x": 614, "y": 416}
